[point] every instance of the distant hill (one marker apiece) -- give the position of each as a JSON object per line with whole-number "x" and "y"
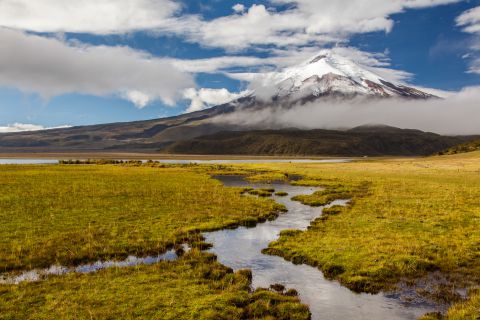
{"x": 146, "y": 135}
{"x": 325, "y": 77}
{"x": 360, "y": 141}
{"x": 463, "y": 148}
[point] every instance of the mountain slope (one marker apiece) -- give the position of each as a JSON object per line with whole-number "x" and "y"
{"x": 323, "y": 77}
{"x": 469, "y": 146}
{"x": 361, "y": 141}
{"x": 329, "y": 74}
{"x": 145, "y": 134}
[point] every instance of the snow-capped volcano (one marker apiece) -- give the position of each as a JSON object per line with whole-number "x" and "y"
{"x": 330, "y": 74}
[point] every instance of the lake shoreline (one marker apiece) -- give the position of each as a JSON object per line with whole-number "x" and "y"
{"x": 158, "y": 156}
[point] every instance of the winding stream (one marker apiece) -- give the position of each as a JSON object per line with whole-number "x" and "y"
{"x": 241, "y": 249}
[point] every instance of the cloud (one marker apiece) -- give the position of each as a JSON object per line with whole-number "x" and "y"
{"x": 87, "y": 16}
{"x": 470, "y": 21}
{"x": 306, "y": 22}
{"x": 138, "y": 98}
{"x": 458, "y": 114}
{"x": 51, "y": 67}
{"x": 235, "y": 65}
{"x": 20, "y": 127}
{"x": 205, "y": 97}
{"x": 218, "y": 64}
{"x": 238, "y": 8}
{"x": 437, "y": 92}
{"x": 256, "y": 26}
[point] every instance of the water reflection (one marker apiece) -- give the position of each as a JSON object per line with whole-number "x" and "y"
{"x": 130, "y": 261}
{"x": 241, "y": 248}
{"x": 185, "y": 161}
{"x": 27, "y": 161}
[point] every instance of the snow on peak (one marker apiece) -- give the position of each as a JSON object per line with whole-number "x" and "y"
{"x": 331, "y": 73}
{"x": 329, "y": 62}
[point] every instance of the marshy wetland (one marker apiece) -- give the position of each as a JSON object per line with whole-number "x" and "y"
{"x": 406, "y": 242}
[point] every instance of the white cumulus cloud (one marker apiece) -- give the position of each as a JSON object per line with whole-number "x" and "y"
{"x": 20, "y": 127}
{"x": 206, "y": 97}
{"x": 86, "y": 16}
{"x": 470, "y": 22}
{"x": 51, "y": 67}
{"x": 305, "y": 22}
{"x": 239, "y": 8}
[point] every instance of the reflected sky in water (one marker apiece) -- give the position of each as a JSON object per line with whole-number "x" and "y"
{"x": 241, "y": 248}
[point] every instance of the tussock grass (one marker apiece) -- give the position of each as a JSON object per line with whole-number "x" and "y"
{"x": 267, "y": 177}
{"x": 332, "y": 190}
{"x": 74, "y": 214}
{"x": 260, "y": 192}
{"x": 408, "y": 217}
{"x": 194, "y": 287}
{"x": 468, "y": 310}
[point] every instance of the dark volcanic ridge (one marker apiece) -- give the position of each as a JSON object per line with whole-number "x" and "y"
{"x": 361, "y": 141}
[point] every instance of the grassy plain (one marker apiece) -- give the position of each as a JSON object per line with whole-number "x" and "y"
{"x": 68, "y": 214}
{"x": 408, "y": 218}
{"x": 194, "y": 287}
{"x": 72, "y": 214}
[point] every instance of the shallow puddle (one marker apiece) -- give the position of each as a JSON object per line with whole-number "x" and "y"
{"x": 131, "y": 261}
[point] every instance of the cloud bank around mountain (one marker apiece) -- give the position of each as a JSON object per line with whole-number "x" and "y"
{"x": 205, "y": 98}
{"x": 456, "y": 115}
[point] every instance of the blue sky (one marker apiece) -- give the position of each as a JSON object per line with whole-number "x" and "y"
{"x": 43, "y": 84}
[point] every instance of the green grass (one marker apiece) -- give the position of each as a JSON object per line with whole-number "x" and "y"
{"x": 408, "y": 218}
{"x": 73, "y": 214}
{"x": 194, "y": 287}
{"x": 468, "y": 310}
{"x": 332, "y": 190}
{"x": 463, "y": 148}
{"x": 267, "y": 177}
{"x": 261, "y": 192}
